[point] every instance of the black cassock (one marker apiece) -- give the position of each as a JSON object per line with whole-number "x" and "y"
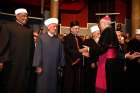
{"x": 49, "y": 55}
{"x": 133, "y": 67}
{"x": 89, "y": 72}
{"x": 73, "y": 80}
{"x": 16, "y": 52}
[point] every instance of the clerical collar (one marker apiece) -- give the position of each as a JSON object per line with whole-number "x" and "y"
{"x": 50, "y": 34}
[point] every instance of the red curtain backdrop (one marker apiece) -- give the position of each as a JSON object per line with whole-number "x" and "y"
{"x": 82, "y": 17}
{"x": 74, "y": 11}
{"x": 120, "y": 7}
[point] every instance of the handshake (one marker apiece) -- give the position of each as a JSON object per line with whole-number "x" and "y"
{"x": 85, "y": 51}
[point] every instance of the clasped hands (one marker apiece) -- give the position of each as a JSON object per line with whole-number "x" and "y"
{"x": 132, "y": 56}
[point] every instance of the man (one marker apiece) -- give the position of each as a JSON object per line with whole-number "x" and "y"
{"x": 133, "y": 63}
{"x": 121, "y": 57}
{"x": 120, "y": 35}
{"x": 48, "y": 56}
{"x": 16, "y": 52}
{"x": 72, "y": 72}
{"x": 95, "y": 31}
{"x": 108, "y": 67}
{"x": 121, "y": 40}
{"x": 90, "y": 59}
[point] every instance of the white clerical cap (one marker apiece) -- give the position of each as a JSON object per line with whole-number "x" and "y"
{"x": 94, "y": 28}
{"x": 137, "y": 31}
{"x": 20, "y": 10}
{"x": 51, "y": 21}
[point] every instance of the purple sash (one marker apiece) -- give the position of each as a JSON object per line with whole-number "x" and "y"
{"x": 101, "y": 73}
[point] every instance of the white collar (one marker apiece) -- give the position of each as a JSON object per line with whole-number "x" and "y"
{"x": 50, "y": 34}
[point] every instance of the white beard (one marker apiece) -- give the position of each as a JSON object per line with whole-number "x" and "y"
{"x": 96, "y": 40}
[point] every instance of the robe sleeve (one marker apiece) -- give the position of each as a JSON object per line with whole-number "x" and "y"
{"x": 4, "y": 41}
{"x": 37, "y": 59}
{"x": 62, "y": 55}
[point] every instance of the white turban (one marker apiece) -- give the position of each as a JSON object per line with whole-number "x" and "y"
{"x": 137, "y": 31}
{"x": 20, "y": 10}
{"x": 94, "y": 28}
{"x": 50, "y": 21}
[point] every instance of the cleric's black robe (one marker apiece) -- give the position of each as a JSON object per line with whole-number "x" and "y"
{"x": 89, "y": 72}
{"x": 109, "y": 67}
{"x": 16, "y": 51}
{"x": 133, "y": 67}
{"x": 72, "y": 73}
{"x": 49, "y": 55}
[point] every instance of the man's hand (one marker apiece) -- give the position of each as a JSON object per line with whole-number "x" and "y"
{"x": 132, "y": 56}
{"x": 93, "y": 65}
{"x": 85, "y": 49}
{"x": 39, "y": 70}
{"x": 1, "y": 66}
{"x": 86, "y": 54}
